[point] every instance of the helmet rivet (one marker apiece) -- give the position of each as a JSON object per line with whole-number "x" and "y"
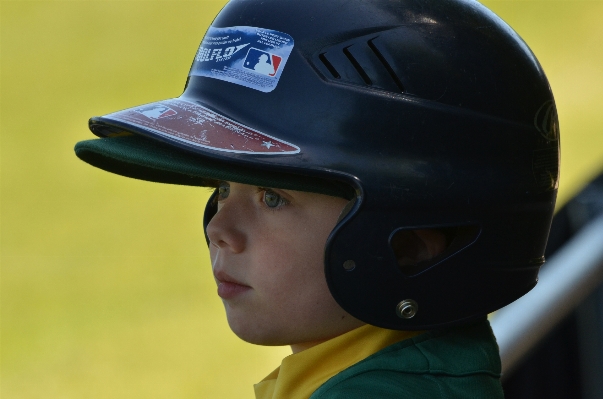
{"x": 349, "y": 265}
{"x": 407, "y": 309}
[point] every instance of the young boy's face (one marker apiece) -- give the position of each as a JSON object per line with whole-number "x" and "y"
{"x": 267, "y": 253}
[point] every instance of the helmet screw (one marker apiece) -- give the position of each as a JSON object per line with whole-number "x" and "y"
{"x": 349, "y": 265}
{"x": 407, "y": 309}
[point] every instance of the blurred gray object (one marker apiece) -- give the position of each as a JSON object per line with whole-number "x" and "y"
{"x": 569, "y": 360}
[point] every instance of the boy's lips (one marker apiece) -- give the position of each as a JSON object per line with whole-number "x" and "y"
{"x": 229, "y": 287}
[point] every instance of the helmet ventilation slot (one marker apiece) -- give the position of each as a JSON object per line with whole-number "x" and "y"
{"x": 359, "y": 62}
{"x": 329, "y": 66}
{"x": 357, "y": 66}
{"x": 390, "y": 70}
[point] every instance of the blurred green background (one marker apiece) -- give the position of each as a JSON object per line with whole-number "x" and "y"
{"x": 106, "y": 289}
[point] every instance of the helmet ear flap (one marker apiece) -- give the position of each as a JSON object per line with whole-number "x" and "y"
{"x": 211, "y": 208}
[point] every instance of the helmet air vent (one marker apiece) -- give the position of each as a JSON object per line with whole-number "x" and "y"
{"x": 387, "y": 66}
{"x": 329, "y": 66}
{"x": 357, "y": 66}
{"x": 359, "y": 62}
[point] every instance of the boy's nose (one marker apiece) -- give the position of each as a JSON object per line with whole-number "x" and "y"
{"x": 224, "y": 229}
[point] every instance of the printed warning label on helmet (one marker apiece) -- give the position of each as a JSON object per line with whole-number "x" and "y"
{"x": 197, "y": 126}
{"x": 248, "y": 56}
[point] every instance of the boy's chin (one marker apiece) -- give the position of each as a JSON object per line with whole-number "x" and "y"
{"x": 260, "y": 336}
{"x": 266, "y": 334}
{"x": 274, "y": 335}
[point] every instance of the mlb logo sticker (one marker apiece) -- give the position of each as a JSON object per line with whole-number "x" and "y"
{"x": 156, "y": 111}
{"x": 262, "y": 62}
{"x": 243, "y": 55}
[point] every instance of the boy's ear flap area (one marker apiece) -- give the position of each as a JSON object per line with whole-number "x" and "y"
{"x": 417, "y": 250}
{"x": 211, "y": 208}
{"x": 415, "y": 246}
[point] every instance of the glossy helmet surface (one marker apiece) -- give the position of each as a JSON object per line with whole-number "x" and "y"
{"x": 435, "y": 113}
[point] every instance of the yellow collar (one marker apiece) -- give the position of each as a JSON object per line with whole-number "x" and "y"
{"x": 303, "y": 373}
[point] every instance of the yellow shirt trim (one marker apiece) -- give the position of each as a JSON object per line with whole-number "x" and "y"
{"x": 303, "y": 373}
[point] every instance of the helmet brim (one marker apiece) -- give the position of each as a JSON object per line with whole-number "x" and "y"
{"x": 139, "y": 157}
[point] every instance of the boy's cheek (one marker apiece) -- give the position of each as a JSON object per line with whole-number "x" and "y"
{"x": 212, "y": 254}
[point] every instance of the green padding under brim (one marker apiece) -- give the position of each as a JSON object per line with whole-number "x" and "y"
{"x": 141, "y": 158}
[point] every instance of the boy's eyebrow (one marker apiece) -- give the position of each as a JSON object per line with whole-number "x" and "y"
{"x": 212, "y": 184}
{"x": 262, "y": 188}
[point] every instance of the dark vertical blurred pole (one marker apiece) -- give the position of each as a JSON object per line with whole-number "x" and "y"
{"x": 568, "y": 363}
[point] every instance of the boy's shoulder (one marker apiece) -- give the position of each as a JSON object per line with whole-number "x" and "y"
{"x": 454, "y": 362}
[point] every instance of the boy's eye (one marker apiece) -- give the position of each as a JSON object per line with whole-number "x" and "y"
{"x": 223, "y": 191}
{"x": 273, "y": 200}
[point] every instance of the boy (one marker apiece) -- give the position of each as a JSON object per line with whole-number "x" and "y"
{"x": 384, "y": 179}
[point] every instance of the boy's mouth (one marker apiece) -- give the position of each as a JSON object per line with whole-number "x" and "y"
{"x": 228, "y": 287}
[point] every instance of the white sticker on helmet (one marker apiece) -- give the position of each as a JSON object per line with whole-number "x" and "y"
{"x": 244, "y": 55}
